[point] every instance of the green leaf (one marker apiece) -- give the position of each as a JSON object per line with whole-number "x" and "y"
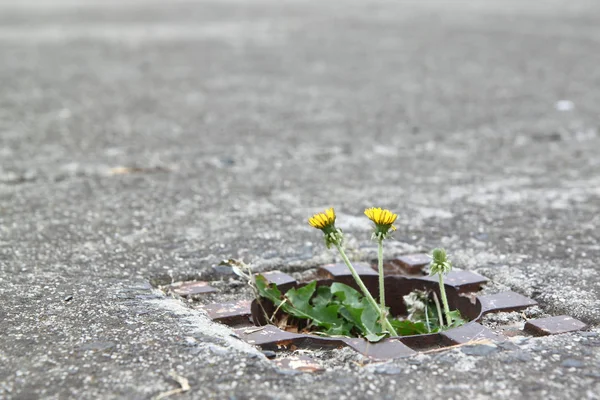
{"x": 323, "y": 314}
{"x": 346, "y": 294}
{"x": 370, "y": 319}
{"x": 341, "y": 310}
{"x": 373, "y": 338}
{"x": 326, "y": 316}
{"x": 369, "y": 327}
{"x": 457, "y": 319}
{"x": 323, "y": 296}
{"x": 344, "y": 329}
{"x": 407, "y": 328}
{"x": 353, "y": 315}
{"x": 299, "y": 298}
{"x": 268, "y": 290}
{"x": 358, "y": 311}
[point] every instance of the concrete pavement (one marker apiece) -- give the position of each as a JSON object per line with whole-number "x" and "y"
{"x": 143, "y": 142}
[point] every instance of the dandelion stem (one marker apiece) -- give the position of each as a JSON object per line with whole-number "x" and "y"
{"x": 427, "y": 316}
{"x": 384, "y": 321}
{"x": 277, "y": 309}
{"x": 381, "y": 275}
{"x": 439, "y": 309}
{"x": 445, "y": 299}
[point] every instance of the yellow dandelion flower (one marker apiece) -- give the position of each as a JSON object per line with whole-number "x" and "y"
{"x": 323, "y": 220}
{"x": 383, "y": 220}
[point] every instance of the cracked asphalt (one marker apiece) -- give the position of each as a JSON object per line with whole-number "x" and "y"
{"x": 143, "y": 142}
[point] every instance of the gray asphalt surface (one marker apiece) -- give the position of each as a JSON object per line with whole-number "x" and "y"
{"x": 145, "y": 141}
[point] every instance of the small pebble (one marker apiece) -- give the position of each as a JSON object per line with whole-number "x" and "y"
{"x": 479, "y": 350}
{"x": 387, "y": 369}
{"x": 572, "y": 363}
{"x": 270, "y": 354}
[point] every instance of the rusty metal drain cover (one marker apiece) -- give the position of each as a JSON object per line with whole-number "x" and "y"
{"x": 461, "y": 288}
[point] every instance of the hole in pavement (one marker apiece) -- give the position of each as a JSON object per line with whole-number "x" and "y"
{"x": 493, "y": 318}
